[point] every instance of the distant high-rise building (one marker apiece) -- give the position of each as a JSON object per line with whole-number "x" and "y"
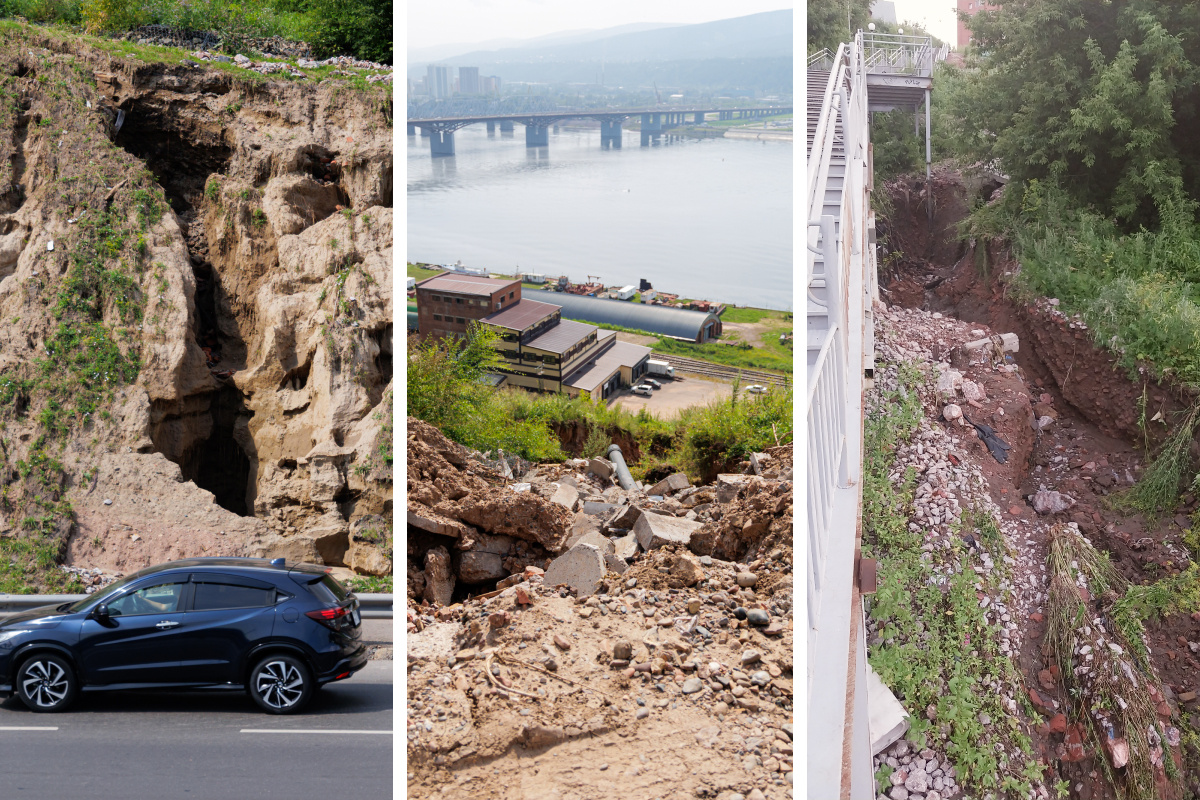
{"x": 437, "y": 80}
{"x": 468, "y": 80}
{"x": 970, "y": 8}
{"x": 490, "y": 84}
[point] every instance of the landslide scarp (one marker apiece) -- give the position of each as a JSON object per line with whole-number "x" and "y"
{"x": 195, "y": 290}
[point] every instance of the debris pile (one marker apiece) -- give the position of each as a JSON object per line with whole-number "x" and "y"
{"x": 654, "y": 619}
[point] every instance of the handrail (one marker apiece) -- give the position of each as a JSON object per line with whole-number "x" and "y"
{"x": 840, "y": 282}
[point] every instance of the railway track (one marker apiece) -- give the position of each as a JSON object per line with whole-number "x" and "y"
{"x": 695, "y": 366}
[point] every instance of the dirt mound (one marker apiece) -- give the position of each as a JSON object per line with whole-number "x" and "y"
{"x": 630, "y": 688}
{"x": 756, "y": 524}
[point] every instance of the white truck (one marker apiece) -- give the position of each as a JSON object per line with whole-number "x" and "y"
{"x": 654, "y": 367}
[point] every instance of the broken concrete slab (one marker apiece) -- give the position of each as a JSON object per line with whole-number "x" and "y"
{"x": 655, "y": 530}
{"x": 728, "y": 485}
{"x": 887, "y": 720}
{"x": 565, "y": 495}
{"x": 614, "y": 564}
{"x": 581, "y": 568}
{"x": 476, "y": 566}
{"x": 626, "y": 547}
{"x": 625, "y": 517}
{"x": 427, "y": 520}
{"x": 595, "y": 538}
{"x": 599, "y": 509}
{"x": 601, "y": 468}
{"x": 582, "y": 525}
{"x": 678, "y": 481}
{"x": 660, "y": 488}
{"x": 439, "y": 579}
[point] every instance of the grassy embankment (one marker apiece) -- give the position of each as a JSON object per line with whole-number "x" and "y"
{"x": 443, "y": 389}
{"x": 936, "y": 647}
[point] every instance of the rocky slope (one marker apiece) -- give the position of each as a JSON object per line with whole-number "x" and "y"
{"x": 567, "y": 634}
{"x": 195, "y": 273}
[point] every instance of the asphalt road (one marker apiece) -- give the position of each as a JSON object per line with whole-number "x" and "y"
{"x": 209, "y": 746}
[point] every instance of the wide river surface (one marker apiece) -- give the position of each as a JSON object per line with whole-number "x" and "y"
{"x": 703, "y": 218}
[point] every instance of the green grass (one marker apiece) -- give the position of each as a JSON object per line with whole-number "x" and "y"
{"x": 421, "y": 273}
{"x": 772, "y": 356}
{"x": 936, "y": 646}
{"x": 442, "y": 391}
{"x": 737, "y": 314}
{"x": 370, "y": 584}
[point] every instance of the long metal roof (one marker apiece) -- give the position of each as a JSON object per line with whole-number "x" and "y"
{"x": 594, "y": 373}
{"x": 562, "y": 337}
{"x": 520, "y": 316}
{"x": 678, "y": 323}
{"x": 467, "y": 284}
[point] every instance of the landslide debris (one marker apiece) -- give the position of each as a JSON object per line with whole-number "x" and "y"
{"x": 195, "y": 274}
{"x": 556, "y": 636}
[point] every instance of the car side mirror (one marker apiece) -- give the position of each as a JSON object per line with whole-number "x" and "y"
{"x": 101, "y": 611}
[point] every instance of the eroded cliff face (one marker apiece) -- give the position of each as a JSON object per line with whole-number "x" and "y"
{"x": 202, "y": 363}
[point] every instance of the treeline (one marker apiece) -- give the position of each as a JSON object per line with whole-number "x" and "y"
{"x": 362, "y": 28}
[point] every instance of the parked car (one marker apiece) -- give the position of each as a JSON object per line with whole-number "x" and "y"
{"x": 653, "y": 384}
{"x": 756, "y": 388}
{"x": 642, "y": 389}
{"x": 277, "y": 630}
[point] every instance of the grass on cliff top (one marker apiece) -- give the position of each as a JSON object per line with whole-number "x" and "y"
{"x": 176, "y": 56}
{"x": 935, "y": 646}
{"x": 443, "y": 389}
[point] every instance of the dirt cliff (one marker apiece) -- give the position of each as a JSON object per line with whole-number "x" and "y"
{"x": 195, "y": 276}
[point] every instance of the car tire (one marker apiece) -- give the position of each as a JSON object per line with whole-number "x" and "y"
{"x": 281, "y": 684}
{"x": 46, "y": 683}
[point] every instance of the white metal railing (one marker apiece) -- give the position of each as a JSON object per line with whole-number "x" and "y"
{"x": 898, "y": 53}
{"x": 840, "y": 281}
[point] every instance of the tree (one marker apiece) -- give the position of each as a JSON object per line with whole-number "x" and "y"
{"x": 1100, "y": 98}
{"x": 827, "y": 22}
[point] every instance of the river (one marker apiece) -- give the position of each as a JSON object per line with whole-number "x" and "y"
{"x": 702, "y": 218}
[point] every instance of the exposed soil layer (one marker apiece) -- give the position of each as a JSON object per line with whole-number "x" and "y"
{"x": 1092, "y": 448}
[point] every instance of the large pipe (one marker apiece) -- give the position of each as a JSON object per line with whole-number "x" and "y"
{"x": 623, "y": 477}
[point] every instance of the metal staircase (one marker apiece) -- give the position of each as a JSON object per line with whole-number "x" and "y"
{"x": 875, "y": 72}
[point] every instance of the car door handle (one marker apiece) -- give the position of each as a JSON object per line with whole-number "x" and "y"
{"x": 166, "y": 624}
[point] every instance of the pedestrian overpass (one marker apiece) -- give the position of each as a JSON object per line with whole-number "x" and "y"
{"x": 875, "y": 72}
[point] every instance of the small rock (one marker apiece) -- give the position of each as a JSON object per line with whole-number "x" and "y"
{"x": 952, "y": 412}
{"x": 561, "y": 643}
{"x": 107, "y": 502}
{"x": 750, "y": 657}
{"x": 746, "y": 579}
{"x": 642, "y": 713}
{"x": 498, "y": 619}
{"x": 757, "y": 616}
{"x": 692, "y": 685}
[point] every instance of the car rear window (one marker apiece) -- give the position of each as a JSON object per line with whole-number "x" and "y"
{"x": 214, "y": 596}
{"x": 328, "y": 590}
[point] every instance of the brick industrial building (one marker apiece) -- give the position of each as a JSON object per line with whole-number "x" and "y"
{"x": 970, "y": 8}
{"x": 540, "y": 350}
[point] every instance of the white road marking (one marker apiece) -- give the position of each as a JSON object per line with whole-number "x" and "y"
{"x": 25, "y": 728}
{"x": 311, "y": 730}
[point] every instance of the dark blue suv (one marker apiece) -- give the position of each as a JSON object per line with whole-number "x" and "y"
{"x": 280, "y": 631}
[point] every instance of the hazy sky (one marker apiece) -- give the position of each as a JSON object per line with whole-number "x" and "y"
{"x": 432, "y": 22}
{"x": 937, "y": 16}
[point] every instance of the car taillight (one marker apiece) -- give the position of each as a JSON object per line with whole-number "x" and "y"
{"x": 328, "y": 616}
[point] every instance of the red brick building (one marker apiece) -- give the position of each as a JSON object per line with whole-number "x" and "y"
{"x": 970, "y": 8}
{"x": 447, "y": 303}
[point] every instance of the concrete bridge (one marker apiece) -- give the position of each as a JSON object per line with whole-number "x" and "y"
{"x": 654, "y": 122}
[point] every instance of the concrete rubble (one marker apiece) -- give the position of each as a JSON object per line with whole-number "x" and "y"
{"x": 634, "y": 617}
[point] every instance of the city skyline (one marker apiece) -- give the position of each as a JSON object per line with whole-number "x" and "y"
{"x": 479, "y": 21}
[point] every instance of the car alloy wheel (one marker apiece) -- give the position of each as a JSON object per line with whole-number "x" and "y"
{"x": 46, "y": 683}
{"x": 280, "y": 685}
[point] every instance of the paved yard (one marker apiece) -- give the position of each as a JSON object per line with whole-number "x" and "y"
{"x": 674, "y": 395}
